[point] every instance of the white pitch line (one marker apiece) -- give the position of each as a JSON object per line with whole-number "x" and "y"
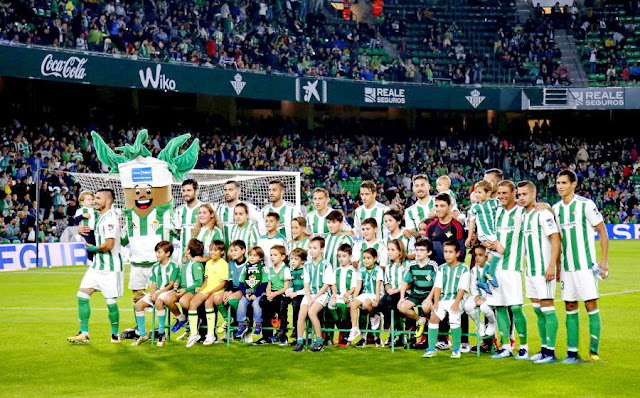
{"x": 603, "y": 294}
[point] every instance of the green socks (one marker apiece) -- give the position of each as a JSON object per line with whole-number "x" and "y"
{"x": 222, "y": 309}
{"x": 551, "y": 327}
{"x": 334, "y": 314}
{"x": 433, "y": 335}
{"x": 456, "y": 333}
{"x": 233, "y": 303}
{"x": 162, "y": 317}
{"x": 520, "y": 322}
{"x": 142, "y": 329}
{"x": 490, "y": 266}
{"x": 343, "y": 311}
{"x": 504, "y": 324}
{"x": 542, "y": 324}
{"x": 594, "y": 330}
{"x": 573, "y": 332}
{"x": 84, "y": 311}
{"x": 114, "y": 317}
{"x": 193, "y": 322}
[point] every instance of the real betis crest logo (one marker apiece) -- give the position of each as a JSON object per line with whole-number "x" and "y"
{"x": 475, "y": 99}
{"x": 237, "y": 83}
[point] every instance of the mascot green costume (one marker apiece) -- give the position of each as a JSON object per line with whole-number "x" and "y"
{"x": 146, "y": 182}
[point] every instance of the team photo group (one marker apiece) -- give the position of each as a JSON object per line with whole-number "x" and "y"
{"x": 230, "y": 270}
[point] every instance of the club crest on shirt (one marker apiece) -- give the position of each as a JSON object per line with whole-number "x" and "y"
{"x": 448, "y": 234}
{"x": 429, "y": 278}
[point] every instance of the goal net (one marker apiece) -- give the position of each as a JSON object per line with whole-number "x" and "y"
{"x": 255, "y": 185}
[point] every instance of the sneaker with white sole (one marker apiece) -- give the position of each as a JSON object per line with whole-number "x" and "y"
{"x": 209, "y": 340}
{"x": 465, "y": 347}
{"x": 81, "y": 337}
{"x": 140, "y": 340}
{"x": 503, "y": 353}
{"x": 429, "y": 354}
{"x": 537, "y": 356}
{"x": 192, "y": 340}
{"x": 523, "y": 354}
{"x": 442, "y": 346}
{"x": 455, "y": 354}
{"x": 490, "y": 330}
{"x": 353, "y": 334}
{"x": 161, "y": 340}
{"x": 375, "y": 322}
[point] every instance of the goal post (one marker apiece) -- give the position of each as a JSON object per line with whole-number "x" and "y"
{"x": 254, "y": 185}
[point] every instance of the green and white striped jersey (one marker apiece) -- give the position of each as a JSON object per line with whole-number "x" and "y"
{"x": 317, "y": 275}
{"x": 266, "y": 243}
{"x": 346, "y": 279}
{"x": 475, "y": 275}
{"x": 163, "y": 274}
{"x": 191, "y": 275}
{"x": 394, "y": 274}
{"x": 409, "y": 243}
{"x": 88, "y": 222}
{"x": 331, "y": 244}
{"x": 453, "y": 196}
{"x": 370, "y": 278}
{"x": 376, "y": 212}
{"x": 144, "y": 233}
{"x": 247, "y": 233}
{"x": 538, "y": 226}
{"x": 362, "y": 245}
{"x": 185, "y": 219}
{"x": 302, "y": 244}
{"x": 577, "y": 220}
{"x": 287, "y": 213}
{"x": 226, "y": 218}
{"x": 451, "y": 279}
{"x": 509, "y": 233}
{"x": 485, "y": 216}
{"x": 108, "y": 227}
{"x": 421, "y": 278}
{"x": 208, "y": 235}
{"x": 318, "y": 225}
{"x": 416, "y": 213}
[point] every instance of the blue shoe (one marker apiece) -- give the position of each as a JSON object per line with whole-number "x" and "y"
{"x": 502, "y": 354}
{"x": 523, "y": 354}
{"x": 572, "y": 360}
{"x": 241, "y": 330}
{"x": 547, "y": 359}
{"x": 484, "y": 286}
{"x": 537, "y": 356}
{"x": 491, "y": 278}
{"x": 455, "y": 354}
{"x": 257, "y": 331}
{"x": 177, "y": 326}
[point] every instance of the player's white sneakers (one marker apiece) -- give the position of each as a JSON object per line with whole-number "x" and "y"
{"x": 193, "y": 340}
{"x": 490, "y": 329}
{"x": 465, "y": 347}
{"x": 209, "y": 340}
{"x": 353, "y": 334}
{"x": 375, "y": 322}
{"x": 481, "y": 329}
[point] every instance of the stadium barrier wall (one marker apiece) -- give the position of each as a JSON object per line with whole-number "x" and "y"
{"x": 68, "y": 66}
{"x": 22, "y": 256}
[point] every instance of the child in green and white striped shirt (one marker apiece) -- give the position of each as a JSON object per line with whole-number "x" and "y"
{"x": 346, "y": 281}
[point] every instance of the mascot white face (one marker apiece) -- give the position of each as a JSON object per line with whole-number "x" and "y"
{"x": 146, "y": 180}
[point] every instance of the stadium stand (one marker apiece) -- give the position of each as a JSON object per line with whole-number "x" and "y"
{"x": 609, "y": 171}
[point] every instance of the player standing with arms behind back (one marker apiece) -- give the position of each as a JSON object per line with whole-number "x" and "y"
{"x": 285, "y": 210}
{"x": 107, "y": 272}
{"x": 578, "y": 216}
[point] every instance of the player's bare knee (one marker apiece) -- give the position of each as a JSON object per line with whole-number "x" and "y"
{"x": 571, "y": 305}
{"x": 590, "y": 305}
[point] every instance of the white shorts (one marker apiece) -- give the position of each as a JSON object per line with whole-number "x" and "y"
{"x": 366, "y": 296}
{"x": 322, "y": 300}
{"x": 139, "y": 277}
{"x": 578, "y": 285}
{"x": 161, "y": 296}
{"x": 538, "y": 288}
{"x": 340, "y": 299}
{"x": 444, "y": 308}
{"x": 110, "y": 283}
{"x": 510, "y": 290}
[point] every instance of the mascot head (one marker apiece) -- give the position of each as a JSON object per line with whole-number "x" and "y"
{"x": 146, "y": 180}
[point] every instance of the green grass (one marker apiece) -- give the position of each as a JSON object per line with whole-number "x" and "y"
{"x": 37, "y": 360}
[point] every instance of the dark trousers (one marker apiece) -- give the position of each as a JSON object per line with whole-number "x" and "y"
{"x": 279, "y": 306}
{"x": 295, "y": 305}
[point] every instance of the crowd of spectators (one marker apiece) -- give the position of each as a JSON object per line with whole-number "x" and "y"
{"x": 531, "y": 50}
{"x": 609, "y": 171}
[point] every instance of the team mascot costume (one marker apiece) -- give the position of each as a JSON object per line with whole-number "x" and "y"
{"x": 148, "y": 203}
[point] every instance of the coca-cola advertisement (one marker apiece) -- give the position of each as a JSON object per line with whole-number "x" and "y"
{"x": 70, "y": 68}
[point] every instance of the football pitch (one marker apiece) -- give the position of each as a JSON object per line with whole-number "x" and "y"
{"x": 38, "y": 311}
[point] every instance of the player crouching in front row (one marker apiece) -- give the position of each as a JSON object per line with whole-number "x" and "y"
{"x": 452, "y": 281}
{"x": 164, "y": 273}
